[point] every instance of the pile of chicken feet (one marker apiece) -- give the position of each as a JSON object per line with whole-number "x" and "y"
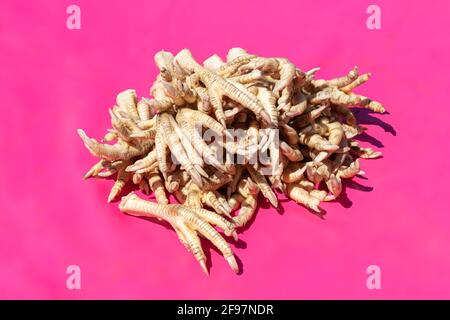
{"x": 304, "y": 126}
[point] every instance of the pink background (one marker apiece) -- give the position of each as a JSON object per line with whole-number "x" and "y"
{"x": 54, "y": 80}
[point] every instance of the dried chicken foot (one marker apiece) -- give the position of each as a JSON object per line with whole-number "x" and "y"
{"x": 122, "y": 178}
{"x": 246, "y": 196}
{"x": 189, "y": 223}
{"x": 263, "y": 185}
{"x": 297, "y": 193}
{"x": 96, "y": 169}
{"x": 118, "y": 151}
{"x": 218, "y": 87}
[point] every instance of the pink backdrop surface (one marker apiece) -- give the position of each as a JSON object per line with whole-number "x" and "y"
{"x": 54, "y": 80}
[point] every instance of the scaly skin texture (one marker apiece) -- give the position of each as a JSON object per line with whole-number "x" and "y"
{"x": 302, "y": 196}
{"x": 126, "y": 101}
{"x": 263, "y": 185}
{"x": 189, "y": 224}
{"x": 246, "y": 198}
{"x": 117, "y": 151}
{"x": 287, "y": 72}
{"x": 122, "y": 179}
{"x": 293, "y": 172}
{"x": 157, "y": 186}
{"x": 292, "y": 133}
{"x": 232, "y": 66}
{"x": 218, "y": 87}
{"x": 337, "y": 82}
{"x": 268, "y": 101}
